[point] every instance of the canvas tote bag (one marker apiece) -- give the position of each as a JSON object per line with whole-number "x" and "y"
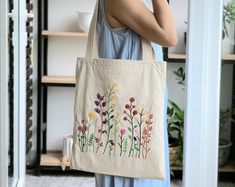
{"x": 119, "y": 113}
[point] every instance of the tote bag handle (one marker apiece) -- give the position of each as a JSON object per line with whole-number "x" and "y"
{"x": 92, "y": 48}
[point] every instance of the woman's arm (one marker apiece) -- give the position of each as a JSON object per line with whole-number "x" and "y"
{"x": 158, "y": 27}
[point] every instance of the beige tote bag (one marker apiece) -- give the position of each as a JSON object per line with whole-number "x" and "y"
{"x": 119, "y": 113}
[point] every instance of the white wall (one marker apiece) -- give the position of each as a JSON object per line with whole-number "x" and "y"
{"x": 62, "y": 53}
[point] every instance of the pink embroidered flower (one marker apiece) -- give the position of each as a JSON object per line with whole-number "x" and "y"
{"x": 122, "y": 132}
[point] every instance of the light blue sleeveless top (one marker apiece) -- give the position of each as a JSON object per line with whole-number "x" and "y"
{"x": 124, "y": 43}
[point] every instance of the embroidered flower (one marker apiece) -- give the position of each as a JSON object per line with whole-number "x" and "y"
{"x": 132, "y": 99}
{"x": 127, "y": 106}
{"x": 92, "y": 115}
{"x": 122, "y": 132}
{"x": 135, "y": 112}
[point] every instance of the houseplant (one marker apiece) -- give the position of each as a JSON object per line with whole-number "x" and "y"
{"x": 175, "y": 121}
{"x": 228, "y": 19}
{"x": 224, "y": 145}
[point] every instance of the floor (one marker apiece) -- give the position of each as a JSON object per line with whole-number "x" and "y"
{"x": 74, "y": 181}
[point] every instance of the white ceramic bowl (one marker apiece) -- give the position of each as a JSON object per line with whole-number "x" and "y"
{"x": 84, "y": 20}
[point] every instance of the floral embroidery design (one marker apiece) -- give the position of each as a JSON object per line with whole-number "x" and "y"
{"x": 108, "y": 131}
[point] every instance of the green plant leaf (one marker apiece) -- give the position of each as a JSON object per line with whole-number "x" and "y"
{"x": 136, "y": 147}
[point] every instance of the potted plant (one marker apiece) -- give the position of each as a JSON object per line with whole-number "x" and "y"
{"x": 224, "y": 145}
{"x": 175, "y": 121}
{"x": 228, "y": 19}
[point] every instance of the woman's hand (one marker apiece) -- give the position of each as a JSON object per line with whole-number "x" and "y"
{"x": 157, "y": 26}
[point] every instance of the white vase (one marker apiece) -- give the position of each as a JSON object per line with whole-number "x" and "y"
{"x": 67, "y": 146}
{"x": 227, "y": 46}
{"x": 84, "y": 20}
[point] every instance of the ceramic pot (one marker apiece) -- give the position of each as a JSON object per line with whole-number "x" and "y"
{"x": 174, "y": 152}
{"x": 67, "y": 146}
{"x": 84, "y": 20}
{"x": 224, "y": 152}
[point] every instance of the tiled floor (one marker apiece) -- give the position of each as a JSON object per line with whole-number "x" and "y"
{"x": 75, "y": 181}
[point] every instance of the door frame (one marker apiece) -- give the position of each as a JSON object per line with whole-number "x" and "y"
{"x": 19, "y": 16}
{"x": 19, "y": 43}
{"x": 3, "y": 94}
{"x": 203, "y": 69}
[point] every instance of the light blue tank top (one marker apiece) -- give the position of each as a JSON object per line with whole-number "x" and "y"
{"x": 119, "y": 43}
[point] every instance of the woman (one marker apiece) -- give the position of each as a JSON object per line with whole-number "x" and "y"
{"x": 120, "y": 26}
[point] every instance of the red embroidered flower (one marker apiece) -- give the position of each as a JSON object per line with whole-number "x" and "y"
{"x": 135, "y": 112}
{"x": 127, "y": 106}
{"x": 85, "y": 128}
{"x": 132, "y": 99}
{"x": 80, "y": 128}
{"x": 125, "y": 118}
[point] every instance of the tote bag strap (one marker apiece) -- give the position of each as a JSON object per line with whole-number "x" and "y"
{"x": 92, "y": 48}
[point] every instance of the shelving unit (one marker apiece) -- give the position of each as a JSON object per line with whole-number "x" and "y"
{"x": 52, "y": 160}
{"x": 229, "y": 168}
{"x": 45, "y": 159}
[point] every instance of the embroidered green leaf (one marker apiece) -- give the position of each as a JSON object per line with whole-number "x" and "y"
{"x": 125, "y": 145}
{"x": 136, "y": 147}
{"x": 129, "y": 129}
{"x": 129, "y": 136}
{"x": 90, "y": 141}
{"x": 135, "y": 126}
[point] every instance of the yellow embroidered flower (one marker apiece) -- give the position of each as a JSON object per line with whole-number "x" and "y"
{"x": 119, "y": 114}
{"x": 115, "y": 91}
{"x": 91, "y": 115}
{"x": 114, "y": 97}
{"x": 113, "y": 106}
{"x": 109, "y": 86}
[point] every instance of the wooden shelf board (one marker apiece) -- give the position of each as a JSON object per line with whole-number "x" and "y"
{"x": 230, "y": 57}
{"x": 229, "y": 167}
{"x": 176, "y": 56}
{"x": 58, "y": 79}
{"x": 69, "y": 34}
{"x": 9, "y": 160}
{"x": 52, "y": 159}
